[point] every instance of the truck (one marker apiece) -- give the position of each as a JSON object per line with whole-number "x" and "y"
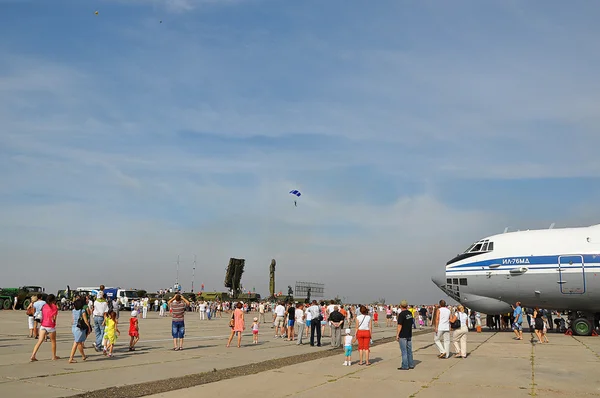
{"x": 23, "y": 295}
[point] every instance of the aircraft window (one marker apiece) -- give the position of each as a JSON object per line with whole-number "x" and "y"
{"x": 463, "y": 281}
{"x": 476, "y": 248}
{"x": 490, "y": 246}
{"x": 448, "y": 281}
{"x": 455, "y": 281}
{"x": 485, "y": 246}
{"x": 470, "y": 247}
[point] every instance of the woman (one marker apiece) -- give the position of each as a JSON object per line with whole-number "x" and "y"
{"x": 79, "y": 334}
{"x": 238, "y": 325}
{"x": 30, "y": 319}
{"x": 364, "y": 330}
{"x": 48, "y": 326}
{"x": 539, "y": 324}
{"x": 460, "y": 334}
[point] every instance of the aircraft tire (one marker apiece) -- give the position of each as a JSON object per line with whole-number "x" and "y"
{"x": 582, "y": 327}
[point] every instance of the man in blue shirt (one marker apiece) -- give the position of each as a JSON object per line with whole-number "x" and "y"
{"x": 518, "y": 321}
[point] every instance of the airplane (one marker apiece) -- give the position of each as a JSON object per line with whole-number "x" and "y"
{"x": 555, "y": 268}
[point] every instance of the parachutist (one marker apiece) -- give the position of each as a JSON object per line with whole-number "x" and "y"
{"x": 295, "y": 204}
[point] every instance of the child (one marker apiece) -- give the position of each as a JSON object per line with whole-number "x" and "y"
{"x": 348, "y": 340}
{"x": 134, "y": 330}
{"x": 420, "y": 321}
{"x": 255, "y": 331}
{"x": 111, "y": 331}
{"x": 376, "y": 318}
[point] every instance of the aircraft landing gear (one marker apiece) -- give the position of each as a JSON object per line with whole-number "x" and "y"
{"x": 580, "y": 324}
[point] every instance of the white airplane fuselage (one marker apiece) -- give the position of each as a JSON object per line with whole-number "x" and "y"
{"x": 555, "y": 269}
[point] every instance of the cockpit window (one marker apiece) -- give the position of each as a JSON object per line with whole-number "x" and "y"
{"x": 476, "y": 248}
{"x": 491, "y": 246}
{"x": 485, "y": 246}
{"x": 470, "y": 247}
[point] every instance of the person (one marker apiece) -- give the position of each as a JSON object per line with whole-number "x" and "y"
{"x": 539, "y": 324}
{"x": 278, "y": 320}
{"x": 134, "y": 330}
{"x": 291, "y": 312}
{"x": 460, "y": 334}
{"x": 442, "y": 330}
{"x": 178, "y": 305}
{"x": 100, "y": 307}
{"x": 348, "y": 341}
{"x": 300, "y": 317}
{"x": 315, "y": 323}
{"x": 255, "y": 331}
{"x": 38, "y": 304}
{"x": 364, "y": 330}
{"x": 404, "y": 336}
{"x": 336, "y": 320}
{"x": 49, "y": 313}
{"x": 111, "y": 331}
{"x": 79, "y": 334}
{"x": 30, "y": 319}
{"x": 518, "y": 321}
{"x": 238, "y": 325}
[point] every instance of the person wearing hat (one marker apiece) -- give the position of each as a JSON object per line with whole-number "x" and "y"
{"x": 99, "y": 308}
{"x": 348, "y": 341}
{"x": 134, "y": 330}
{"x": 404, "y": 336}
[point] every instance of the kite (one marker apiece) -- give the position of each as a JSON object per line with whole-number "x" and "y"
{"x": 297, "y": 194}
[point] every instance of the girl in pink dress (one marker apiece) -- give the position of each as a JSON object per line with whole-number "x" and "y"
{"x": 238, "y": 324}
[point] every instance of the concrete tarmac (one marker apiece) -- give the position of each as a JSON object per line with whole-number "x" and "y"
{"x": 154, "y": 359}
{"x": 497, "y": 365}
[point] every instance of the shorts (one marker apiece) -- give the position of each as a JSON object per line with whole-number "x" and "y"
{"x": 255, "y": 332}
{"x": 308, "y": 323}
{"x": 517, "y": 326}
{"x": 323, "y": 323}
{"x": 389, "y": 316}
{"x": 291, "y": 323}
{"x": 178, "y": 329}
{"x": 348, "y": 350}
{"x": 364, "y": 338}
{"x": 279, "y": 321}
{"x": 30, "y": 321}
{"x": 47, "y": 329}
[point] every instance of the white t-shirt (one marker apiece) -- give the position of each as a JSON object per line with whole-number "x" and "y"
{"x": 347, "y": 341}
{"x": 330, "y": 308}
{"x": 261, "y": 309}
{"x": 308, "y": 316}
{"x": 464, "y": 319}
{"x": 364, "y": 322}
{"x": 444, "y": 317}
{"x": 202, "y": 307}
{"x": 100, "y": 308}
{"x": 299, "y": 314}
{"x": 280, "y": 310}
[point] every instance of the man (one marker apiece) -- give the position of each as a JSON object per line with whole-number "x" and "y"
{"x": 178, "y": 305}
{"x": 404, "y": 336}
{"x": 99, "y": 308}
{"x": 518, "y": 321}
{"x": 442, "y": 330}
{"x": 423, "y": 313}
{"x": 261, "y": 312}
{"x": 315, "y": 323}
{"x": 336, "y": 319}
{"x": 300, "y": 317}
{"x": 279, "y": 320}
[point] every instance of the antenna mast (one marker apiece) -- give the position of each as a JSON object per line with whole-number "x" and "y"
{"x": 193, "y": 273}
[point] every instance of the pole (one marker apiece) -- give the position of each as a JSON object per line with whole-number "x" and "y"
{"x": 193, "y": 273}
{"x": 177, "y": 280}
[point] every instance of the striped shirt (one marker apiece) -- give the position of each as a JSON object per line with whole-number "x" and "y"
{"x": 178, "y": 308}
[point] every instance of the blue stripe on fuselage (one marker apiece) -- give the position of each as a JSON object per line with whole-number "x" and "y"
{"x": 531, "y": 260}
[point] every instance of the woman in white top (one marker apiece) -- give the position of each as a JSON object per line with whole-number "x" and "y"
{"x": 460, "y": 334}
{"x": 364, "y": 330}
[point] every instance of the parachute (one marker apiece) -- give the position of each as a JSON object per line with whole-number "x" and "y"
{"x": 296, "y": 193}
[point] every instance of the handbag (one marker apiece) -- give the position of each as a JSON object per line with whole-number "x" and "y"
{"x": 456, "y": 323}
{"x": 30, "y": 311}
{"x": 232, "y": 320}
{"x": 80, "y": 322}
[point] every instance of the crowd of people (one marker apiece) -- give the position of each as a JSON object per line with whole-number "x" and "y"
{"x": 346, "y": 325}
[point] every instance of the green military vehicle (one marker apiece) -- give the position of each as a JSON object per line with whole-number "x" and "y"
{"x": 23, "y": 295}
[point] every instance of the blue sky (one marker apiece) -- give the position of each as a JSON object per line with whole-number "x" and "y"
{"x": 412, "y": 129}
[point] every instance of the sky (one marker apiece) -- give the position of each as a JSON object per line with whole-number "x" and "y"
{"x": 165, "y": 128}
